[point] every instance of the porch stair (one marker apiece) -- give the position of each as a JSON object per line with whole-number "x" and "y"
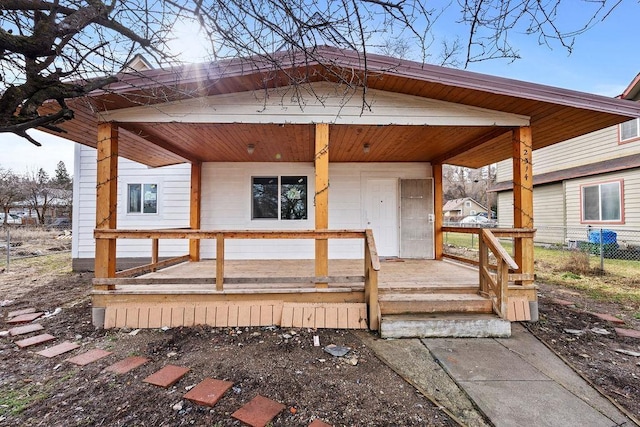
{"x": 439, "y": 312}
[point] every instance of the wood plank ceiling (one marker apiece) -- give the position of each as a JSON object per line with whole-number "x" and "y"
{"x": 555, "y": 115}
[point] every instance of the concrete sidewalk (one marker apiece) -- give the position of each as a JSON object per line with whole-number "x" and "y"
{"x": 518, "y": 381}
{"x": 510, "y": 382}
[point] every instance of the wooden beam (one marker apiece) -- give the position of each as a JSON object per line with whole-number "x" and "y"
{"x": 322, "y": 198}
{"x": 484, "y": 139}
{"x": 195, "y": 209}
{"x": 106, "y": 198}
{"x": 523, "y": 198}
{"x": 160, "y": 141}
{"x": 437, "y": 211}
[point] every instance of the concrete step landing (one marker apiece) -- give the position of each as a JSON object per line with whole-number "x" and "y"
{"x": 444, "y": 325}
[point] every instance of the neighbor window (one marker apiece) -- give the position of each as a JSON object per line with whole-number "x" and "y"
{"x": 630, "y": 130}
{"x": 282, "y": 197}
{"x": 142, "y": 198}
{"x": 602, "y": 202}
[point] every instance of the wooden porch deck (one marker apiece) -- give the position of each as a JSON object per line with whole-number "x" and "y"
{"x": 395, "y": 274}
{"x": 154, "y": 301}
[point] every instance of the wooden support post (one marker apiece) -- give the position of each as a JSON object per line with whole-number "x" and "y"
{"x": 155, "y": 249}
{"x": 219, "y": 261}
{"x": 195, "y": 209}
{"x": 523, "y": 198}
{"x": 437, "y": 211}
{"x": 322, "y": 199}
{"x": 106, "y": 198}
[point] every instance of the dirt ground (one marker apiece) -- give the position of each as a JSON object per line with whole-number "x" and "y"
{"x": 281, "y": 364}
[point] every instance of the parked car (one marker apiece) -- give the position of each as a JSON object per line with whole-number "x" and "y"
{"x": 477, "y": 220}
{"x": 11, "y": 219}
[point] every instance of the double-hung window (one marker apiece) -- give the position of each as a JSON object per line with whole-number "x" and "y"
{"x": 602, "y": 202}
{"x": 283, "y": 197}
{"x": 630, "y": 130}
{"x": 142, "y": 198}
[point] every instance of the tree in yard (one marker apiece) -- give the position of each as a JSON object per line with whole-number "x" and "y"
{"x": 40, "y": 194}
{"x": 62, "y": 179}
{"x": 51, "y": 51}
{"x": 11, "y": 191}
{"x": 460, "y": 182}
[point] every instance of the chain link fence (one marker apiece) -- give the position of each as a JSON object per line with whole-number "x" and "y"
{"x": 601, "y": 248}
{"x": 27, "y": 242}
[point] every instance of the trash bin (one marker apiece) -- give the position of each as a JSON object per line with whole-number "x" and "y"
{"x": 608, "y": 237}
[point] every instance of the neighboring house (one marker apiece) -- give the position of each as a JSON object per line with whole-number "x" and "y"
{"x": 588, "y": 182}
{"x": 232, "y": 162}
{"x": 456, "y": 209}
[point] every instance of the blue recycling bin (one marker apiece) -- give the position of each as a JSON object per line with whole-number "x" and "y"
{"x": 608, "y": 237}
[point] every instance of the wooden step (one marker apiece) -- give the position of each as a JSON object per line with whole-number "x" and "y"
{"x": 437, "y": 289}
{"x": 398, "y": 303}
{"x": 444, "y": 325}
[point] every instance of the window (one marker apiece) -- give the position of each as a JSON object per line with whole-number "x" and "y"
{"x": 282, "y": 198}
{"x": 142, "y": 198}
{"x": 467, "y": 204}
{"x": 630, "y": 130}
{"x": 602, "y": 202}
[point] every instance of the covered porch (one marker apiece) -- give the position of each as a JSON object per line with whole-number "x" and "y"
{"x": 374, "y": 152}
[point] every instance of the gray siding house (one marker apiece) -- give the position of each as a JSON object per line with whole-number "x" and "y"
{"x": 588, "y": 182}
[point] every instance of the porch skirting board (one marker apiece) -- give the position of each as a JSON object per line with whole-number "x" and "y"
{"x": 231, "y": 314}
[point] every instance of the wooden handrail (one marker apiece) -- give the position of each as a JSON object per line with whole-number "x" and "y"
{"x": 227, "y": 234}
{"x": 499, "y": 252}
{"x": 371, "y": 268}
{"x": 495, "y": 284}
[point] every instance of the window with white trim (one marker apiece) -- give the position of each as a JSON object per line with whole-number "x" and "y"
{"x": 283, "y": 197}
{"x": 602, "y": 202}
{"x": 629, "y": 130}
{"x": 142, "y": 198}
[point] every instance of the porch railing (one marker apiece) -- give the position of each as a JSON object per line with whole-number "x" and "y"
{"x": 124, "y": 277}
{"x": 497, "y": 269}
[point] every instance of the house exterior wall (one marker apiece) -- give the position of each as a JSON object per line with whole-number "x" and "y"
{"x": 226, "y": 205}
{"x": 563, "y": 199}
{"x": 549, "y": 221}
{"x": 591, "y": 148}
{"x": 173, "y": 206}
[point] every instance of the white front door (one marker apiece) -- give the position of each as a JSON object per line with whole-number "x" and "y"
{"x": 381, "y": 214}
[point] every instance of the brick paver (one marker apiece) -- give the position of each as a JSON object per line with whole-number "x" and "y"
{"x": 319, "y": 423}
{"x": 629, "y": 333}
{"x": 167, "y": 376}
{"x": 208, "y": 392}
{"x": 89, "y": 357}
{"x": 126, "y": 365}
{"x": 608, "y": 318}
{"x": 24, "y": 318}
{"x": 26, "y": 329}
{"x": 20, "y": 312}
{"x": 38, "y": 339}
{"x": 59, "y": 349}
{"x": 258, "y": 412}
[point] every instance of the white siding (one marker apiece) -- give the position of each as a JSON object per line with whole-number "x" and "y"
{"x": 226, "y": 205}
{"x": 505, "y": 209}
{"x": 173, "y": 205}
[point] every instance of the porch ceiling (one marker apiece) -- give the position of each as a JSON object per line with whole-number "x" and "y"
{"x": 555, "y": 115}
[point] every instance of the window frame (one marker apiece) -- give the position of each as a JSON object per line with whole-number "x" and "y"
{"x": 599, "y": 184}
{"x": 142, "y": 186}
{"x": 279, "y": 197}
{"x": 632, "y": 139}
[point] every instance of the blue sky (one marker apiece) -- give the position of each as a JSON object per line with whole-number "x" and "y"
{"x": 604, "y": 61}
